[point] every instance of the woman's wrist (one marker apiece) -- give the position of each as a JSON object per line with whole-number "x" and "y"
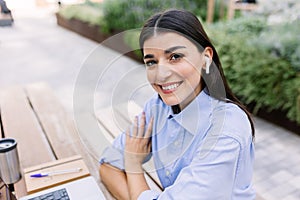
{"x": 133, "y": 167}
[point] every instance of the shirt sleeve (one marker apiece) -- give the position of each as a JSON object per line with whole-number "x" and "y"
{"x": 210, "y": 176}
{"x": 114, "y": 154}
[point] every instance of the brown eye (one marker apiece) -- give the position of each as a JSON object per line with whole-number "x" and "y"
{"x": 176, "y": 56}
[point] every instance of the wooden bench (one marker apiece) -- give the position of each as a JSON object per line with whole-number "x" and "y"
{"x": 233, "y": 5}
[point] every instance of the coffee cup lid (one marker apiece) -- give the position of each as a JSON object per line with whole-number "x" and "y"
{"x": 7, "y": 144}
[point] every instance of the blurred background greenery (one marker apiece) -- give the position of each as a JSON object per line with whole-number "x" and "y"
{"x": 260, "y": 50}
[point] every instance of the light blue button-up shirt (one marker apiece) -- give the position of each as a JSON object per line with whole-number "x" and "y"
{"x": 204, "y": 152}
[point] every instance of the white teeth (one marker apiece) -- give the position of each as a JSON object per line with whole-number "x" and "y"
{"x": 170, "y": 87}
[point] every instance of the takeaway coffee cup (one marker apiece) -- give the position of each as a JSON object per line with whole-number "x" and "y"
{"x": 9, "y": 161}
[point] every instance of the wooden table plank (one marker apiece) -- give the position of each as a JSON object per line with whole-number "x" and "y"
{"x": 105, "y": 118}
{"x": 20, "y": 123}
{"x": 56, "y": 122}
{"x": 61, "y": 130}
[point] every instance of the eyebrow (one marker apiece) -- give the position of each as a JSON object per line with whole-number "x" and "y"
{"x": 148, "y": 56}
{"x": 171, "y": 49}
{"x": 167, "y": 51}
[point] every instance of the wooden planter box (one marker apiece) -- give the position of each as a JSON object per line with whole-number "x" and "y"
{"x": 94, "y": 33}
{"x": 277, "y": 117}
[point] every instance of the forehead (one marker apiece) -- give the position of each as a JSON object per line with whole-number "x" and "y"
{"x": 163, "y": 41}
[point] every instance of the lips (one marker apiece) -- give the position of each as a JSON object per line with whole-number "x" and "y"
{"x": 169, "y": 87}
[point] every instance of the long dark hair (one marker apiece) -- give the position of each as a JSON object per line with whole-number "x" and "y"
{"x": 188, "y": 25}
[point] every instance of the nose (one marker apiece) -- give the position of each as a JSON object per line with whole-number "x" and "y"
{"x": 163, "y": 72}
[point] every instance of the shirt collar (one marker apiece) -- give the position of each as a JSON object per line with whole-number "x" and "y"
{"x": 196, "y": 117}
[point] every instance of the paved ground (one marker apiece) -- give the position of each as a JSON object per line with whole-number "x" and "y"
{"x": 36, "y": 49}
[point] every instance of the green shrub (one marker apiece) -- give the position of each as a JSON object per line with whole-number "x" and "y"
{"x": 242, "y": 25}
{"x": 298, "y": 107}
{"x": 252, "y": 71}
{"x": 131, "y": 38}
{"x": 130, "y": 14}
{"x": 282, "y": 43}
{"x": 87, "y": 12}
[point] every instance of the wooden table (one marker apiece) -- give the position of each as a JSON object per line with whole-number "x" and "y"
{"x": 46, "y": 132}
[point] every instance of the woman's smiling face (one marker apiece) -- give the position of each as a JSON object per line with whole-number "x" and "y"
{"x": 173, "y": 67}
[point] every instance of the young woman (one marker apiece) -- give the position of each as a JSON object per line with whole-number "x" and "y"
{"x": 198, "y": 133}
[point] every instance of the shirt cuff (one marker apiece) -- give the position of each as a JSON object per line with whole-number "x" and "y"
{"x": 113, "y": 156}
{"x": 149, "y": 194}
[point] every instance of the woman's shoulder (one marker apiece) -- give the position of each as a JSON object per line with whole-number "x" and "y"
{"x": 233, "y": 121}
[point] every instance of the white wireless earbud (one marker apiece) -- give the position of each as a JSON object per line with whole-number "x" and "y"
{"x": 207, "y": 63}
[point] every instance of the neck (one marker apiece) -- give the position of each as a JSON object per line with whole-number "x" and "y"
{"x": 190, "y": 98}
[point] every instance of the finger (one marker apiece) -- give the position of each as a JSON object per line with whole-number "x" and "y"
{"x": 149, "y": 128}
{"x": 127, "y": 134}
{"x": 127, "y": 140}
{"x": 142, "y": 126}
{"x": 135, "y": 127}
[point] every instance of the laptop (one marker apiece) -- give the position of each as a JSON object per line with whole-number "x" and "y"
{"x": 81, "y": 189}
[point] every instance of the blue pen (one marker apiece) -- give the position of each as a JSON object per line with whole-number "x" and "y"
{"x": 52, "y": 173}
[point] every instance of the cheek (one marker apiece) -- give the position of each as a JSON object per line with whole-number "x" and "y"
{"x": 191, "y": 75}
{"x": 195, "y": 79}
{"x": 151, "y": 76}
{"x": 189, "y": 72}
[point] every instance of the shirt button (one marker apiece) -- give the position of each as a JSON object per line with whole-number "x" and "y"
{"x": 176, "y": 143}
{"x": 167, "y": 173}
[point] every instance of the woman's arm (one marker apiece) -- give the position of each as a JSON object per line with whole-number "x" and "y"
{"x": 138, "y": 146}
{"x": 131, "y": 183}
{"x": 136, "y": 184}
{"x": 115, "y": 181}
